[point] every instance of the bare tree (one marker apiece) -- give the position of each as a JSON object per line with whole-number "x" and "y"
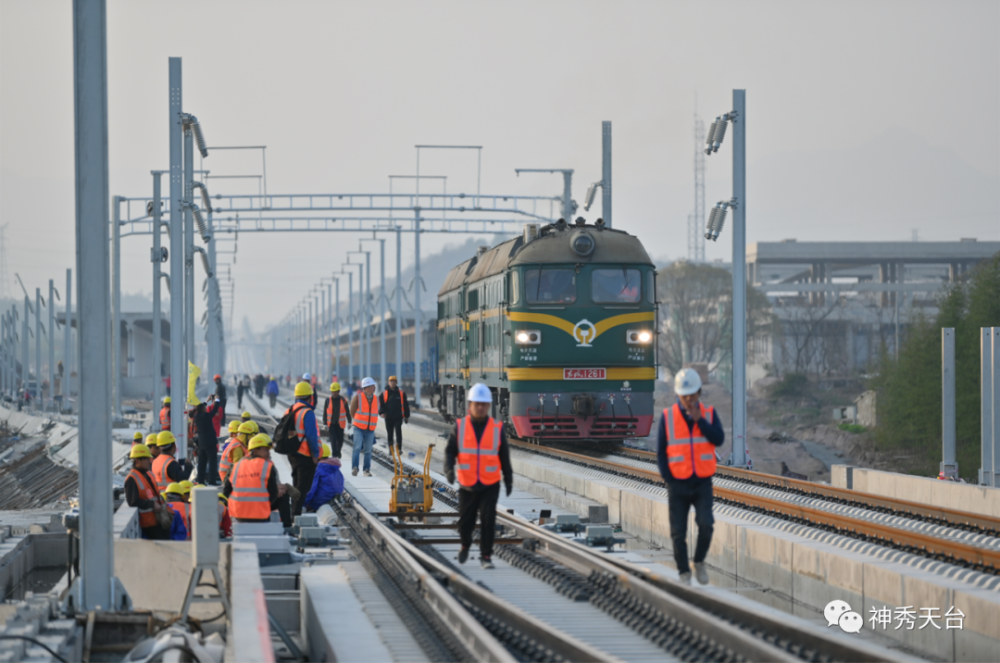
{"x": 696, "y": 314}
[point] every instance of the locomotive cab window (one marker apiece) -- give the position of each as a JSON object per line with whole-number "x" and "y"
{"x": 545, "y": 285}
{"x": 515, "y": 288}
{"x": 615, "y": 286}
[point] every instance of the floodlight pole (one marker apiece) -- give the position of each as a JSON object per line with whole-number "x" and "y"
{"x": 178, "y": 363}
{"x": 418, "y": 317}
{"x": 95, "y": 583}
{"x": 188, "y": 292}
{"x": 739, "y": 280}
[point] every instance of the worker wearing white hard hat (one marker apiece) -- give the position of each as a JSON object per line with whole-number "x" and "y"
{"x": 689, "y": 433}
{"x": 364, "y": 417}
{"x": 478, "y": 456}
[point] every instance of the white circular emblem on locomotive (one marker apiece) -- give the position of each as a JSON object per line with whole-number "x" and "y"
{"x": 584, "y": 332}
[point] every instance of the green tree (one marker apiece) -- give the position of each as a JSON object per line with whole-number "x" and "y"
{"x": 909, "y": 390}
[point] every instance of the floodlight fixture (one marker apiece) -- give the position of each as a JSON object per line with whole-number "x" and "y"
{"x": 591, "y": 194}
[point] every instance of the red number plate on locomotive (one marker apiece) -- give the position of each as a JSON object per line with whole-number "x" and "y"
{"x": 584, "y": 374}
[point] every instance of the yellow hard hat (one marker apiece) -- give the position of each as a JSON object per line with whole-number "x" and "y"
{"x": 140, "y": 451}
{"x": 327, "y": 451}
{"x": 137, "y": 436}
{"x": 165, "y": 438}
{"x": 335, "y": 386}
{"x": 175, "y": 488}
{"x": 166, "y": 400}
{"x": 258, "y": 441}
{"x": 303, "y": 389}
{"x": 393, "y": 377}
{"x": 248, "y": 428}
{"x": 151, "y": 440}
{"x": 246, "y": 416}
{"x": 234, "y": 426}
{"x": 186, "y": 486}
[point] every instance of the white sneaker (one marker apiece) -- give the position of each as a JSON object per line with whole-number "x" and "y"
{"x": 368, "y": 474}
{"x": 685, "y": 578}
{"x": 354, "y": 472}
{"x": 701, "y": 572}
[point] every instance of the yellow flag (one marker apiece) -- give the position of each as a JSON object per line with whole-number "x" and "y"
{"x": 193, "y": 373}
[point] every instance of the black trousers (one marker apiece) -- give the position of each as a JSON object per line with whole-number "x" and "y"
{"x": 239, "y": 398}
{"x": 208, "y": 464}
{"x": 336, "y": 440}
{"x": 483, "y": 503}
{"x": 155, "y": 533}
{"x": 682, "y": 496}
{"x": 303, "y": 471}
{"x": 394, "y": 429}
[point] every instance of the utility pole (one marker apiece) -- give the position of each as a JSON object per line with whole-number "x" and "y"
{"x": 188, "y": 292}
{"x": 418, "y": 319}
{"x": 25, "y": 366}
{"x": 52, "y": 340}
{"x": 399, "y": 304}
{"x": 605, "y": 173}
{"x": 156, "y": 257}
{"x": 39, "y": 400}
{"x": 178, "y": 358}
{"x": 116, "y": 303}
{"x": 67, "y": 346}
{"x": 95, "y": 583}
{"x": 696, "y": 236}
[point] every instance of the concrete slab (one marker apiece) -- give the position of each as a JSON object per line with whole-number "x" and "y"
{"x": 948, "y": 494}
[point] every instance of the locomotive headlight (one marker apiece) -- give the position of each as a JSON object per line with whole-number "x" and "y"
{"x": 528, "y": 337}
{"x": 639, "y": 336}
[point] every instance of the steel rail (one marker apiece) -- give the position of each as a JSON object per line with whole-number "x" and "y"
{"x": 876, "y": 502}
{"x": 433, "y": 573}
{"x": 674, "y": 599}
{"x": 919, "y": 542}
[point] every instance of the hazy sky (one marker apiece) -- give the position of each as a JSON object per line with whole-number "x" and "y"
{"x": 866, "y": 120}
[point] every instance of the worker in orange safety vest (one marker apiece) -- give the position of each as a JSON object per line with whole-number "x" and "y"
{"x": 689, "y": 433}
{"x": 479, "y": 457}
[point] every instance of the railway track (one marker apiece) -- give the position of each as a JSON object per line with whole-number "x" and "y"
{"x": 978, "y": 558}
{"x": 686, "y": 624}
{"x": 919, "y": 529}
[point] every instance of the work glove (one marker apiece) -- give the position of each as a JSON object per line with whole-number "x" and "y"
{"x": 509, "y": 487}
{"x": 451, "y": 477}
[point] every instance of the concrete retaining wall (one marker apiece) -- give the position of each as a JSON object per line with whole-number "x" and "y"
{"x": 947, "y": 494}
{"x": 248, "y": 639}
{"x": 800, "y": 569}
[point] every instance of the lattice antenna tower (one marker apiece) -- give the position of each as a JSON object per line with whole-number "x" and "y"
{"x": 696, "y": 220}
{"x": 4, "y": 279}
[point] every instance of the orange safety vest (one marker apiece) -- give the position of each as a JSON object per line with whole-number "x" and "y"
{"x": 367, "y": 415}
{"x": 402, "y": 401}
{"x": 343, "y": 411}
{"x": 160, "y": 464}
{"x": 165, "y": 418}
{"x": 300, "y": 409}
{"x": 249, "y": 499}
{"x": 227, "y": 461}
{"x": 147, "y": 517}
{"x": 478, "y": 460}
{"x": 688, "y": 451}
{"x": 184, "y": 509}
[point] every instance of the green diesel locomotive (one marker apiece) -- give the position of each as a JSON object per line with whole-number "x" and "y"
{"x": 560, "y": 323}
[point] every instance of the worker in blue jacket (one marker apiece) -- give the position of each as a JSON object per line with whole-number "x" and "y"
{"x": 328, "y": 482}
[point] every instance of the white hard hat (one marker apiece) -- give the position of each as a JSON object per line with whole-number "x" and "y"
{"x": 687, "y": 382}
{"x": 306, "y": 376}
{"x": 367, "y": 382}
{"x": 480, "y": 393}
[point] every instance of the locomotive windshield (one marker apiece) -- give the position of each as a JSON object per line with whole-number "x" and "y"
{"x": 544, "y": 285}
{"x": 615, "y": 286}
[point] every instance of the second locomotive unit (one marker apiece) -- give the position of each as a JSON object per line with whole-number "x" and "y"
{"x": 560, "y": 323}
